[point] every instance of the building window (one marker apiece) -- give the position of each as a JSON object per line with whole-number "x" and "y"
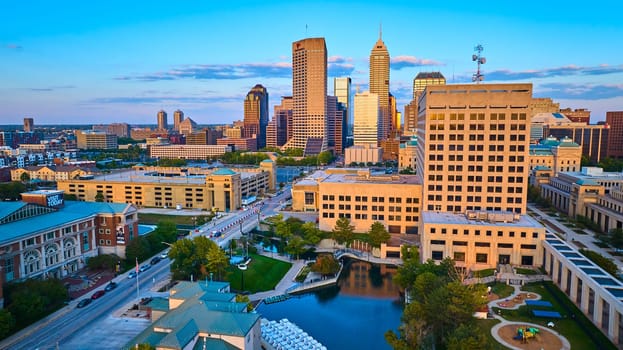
{"x": 481, "y": 258}
{"x": 437, "y": 255}
{"x": 309, "y": 198}
{"x": 459, "y": 256}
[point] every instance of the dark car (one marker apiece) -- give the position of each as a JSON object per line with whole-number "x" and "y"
{"x": 98, "y": 294}
{"x": 83, "y": 303}
{"x": 110, "y": 286}
{"x": 155, "y": 260}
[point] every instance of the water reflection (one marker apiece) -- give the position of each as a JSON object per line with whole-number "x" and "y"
{"x": 352, "y": 315}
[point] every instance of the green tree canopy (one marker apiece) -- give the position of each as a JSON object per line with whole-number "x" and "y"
{"x": 378, "y": 235}
{"x": 343, "y": 232}
{"x": 296, "y": 246}
{"x": 217, "y": 261}
{"x": 311, "y": 233}
{"x": 326, "y": 264}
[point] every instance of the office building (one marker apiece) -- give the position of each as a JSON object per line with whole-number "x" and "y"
{"x": 473, "y": 141}
{"x": 88, "y": 139}
{"x": 29, "y": 124}
{"x": 591, "y": 192}
{"x": 543, "y": 105}
{"x": 219, "y": 189}
{"x": 558, "y": 155}
{"x": 199, "y": 152}
{"x": 615, "y": 140}
{"x": 580, "y": 115}
{"x": 407, "y": 154}
{"x": 336, "y": 115}
{"x": 379, "y": 84}
{"x": 49, "y": 173}
{"x": 366, "y": 154}
{"x": 256, "y": 115}
{"x": 342, "y": 90}
{"x": 283, "y": 121}
{"x": 145, "y": 133}
{"x": 367, "y": 126}
{"x": 423, "y": 79}
{"x": 187, "y": 126}
{"x": 309, "y": 90}
{"x": 207, "y": 136}
{"x": 239, "y": 143}
{"x": 163, "y": 124}
{"x": 178, "y": 118}
{"x": 363, "y": 198}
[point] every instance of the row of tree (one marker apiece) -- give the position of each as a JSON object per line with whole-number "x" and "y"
{"x": 197, "y": 258}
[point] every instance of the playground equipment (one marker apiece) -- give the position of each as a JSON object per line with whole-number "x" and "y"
{"x": 526, "y": 333}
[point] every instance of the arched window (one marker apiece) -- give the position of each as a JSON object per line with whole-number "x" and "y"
{"x": 32, "y": 261}
{"x": 51, "y": 254}
{"x": 70, "y": 247}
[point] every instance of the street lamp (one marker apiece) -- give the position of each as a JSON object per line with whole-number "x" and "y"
{"x": 242, "y": 268}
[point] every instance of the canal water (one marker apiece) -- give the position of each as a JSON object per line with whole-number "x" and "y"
{"x": 355, "y": 314}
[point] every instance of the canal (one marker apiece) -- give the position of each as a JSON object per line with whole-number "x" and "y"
{"x": 355, "y": 314}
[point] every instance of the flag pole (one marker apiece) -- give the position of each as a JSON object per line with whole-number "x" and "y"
{"x": 138, "y": 296}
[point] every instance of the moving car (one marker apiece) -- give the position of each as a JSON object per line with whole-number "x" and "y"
{"x": 164, "y": 254}
{"x": 144, "y": 268}
{"x": 155, "y": 260}
{"x": 98, "y": 294}
{"x": 132, "y": 274}
{"x": 83, "y": 303}
{"x": 110, "y": 286}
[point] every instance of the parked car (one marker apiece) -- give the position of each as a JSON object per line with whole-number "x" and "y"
{"x": 144, "y": 268}
{"x": 83, "y": 303}
{"x": 155, "y": 260}
{"x": 110, "y": 286}
{"x": 98, "y": 294}
{"x": 132, "y": 274}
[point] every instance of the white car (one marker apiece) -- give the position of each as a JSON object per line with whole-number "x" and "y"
{"x": 132, "y": 274}
{"x": 164, "y": 255}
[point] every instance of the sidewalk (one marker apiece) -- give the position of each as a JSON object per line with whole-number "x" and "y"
{"x": 573, "y": 237}
{"x": 286, "y": 282}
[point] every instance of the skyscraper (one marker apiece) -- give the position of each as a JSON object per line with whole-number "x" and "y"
{"x": 162, "y": 120}
{"x": 178, "y": 118}
{"x": 341, "y": 90}
{"x": 473, "y": 149}
{"x": 309, "y": 90}
{"x": 256, "y": 115}
{"x": 379, "y": 83}
{"x": 615, "y": 140}
{"x": 283, "y": 121}
{"x": 29, "y": 124}
{"x": 367, "y": 119}
{"x": 424, "y": 79}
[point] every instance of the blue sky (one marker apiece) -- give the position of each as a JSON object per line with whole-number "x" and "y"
{"x": 112, "y": 61}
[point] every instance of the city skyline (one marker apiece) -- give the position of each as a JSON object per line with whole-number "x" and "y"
{"x": 95, "y": 63}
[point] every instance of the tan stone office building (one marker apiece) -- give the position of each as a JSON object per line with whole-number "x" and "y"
{"x": 473, "y": 143}
{"x": 198, "y": 188}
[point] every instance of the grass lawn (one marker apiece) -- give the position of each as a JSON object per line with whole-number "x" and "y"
{"x": 574, "y": 326}
{"x": 523, "y": 271}
{"x": 502, "y": 289}
{"x": 263, "y": 274}
{"x": 177, "y": 219}
{"x": 486, "y": 326}
{"x": 483, "y": 273}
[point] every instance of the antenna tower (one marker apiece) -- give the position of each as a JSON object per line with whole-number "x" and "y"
{"x": 478, "y": 76}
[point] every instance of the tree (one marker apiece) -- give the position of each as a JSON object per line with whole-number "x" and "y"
{"x": 7, "y": 322}
{"x": 137, "y": 248}
{"x": 182, "y": 254}
{"x": 616, "y": 238}
{"x": 378, "y": 235}
{"x": 103, "y": 262}
{"x": 25, "y": 177}
{"x": 99, "y": 197}
{"x": 326, "y": 264}
{"x": 467, "y": 337}
{"x": 244, "y": 299}
{"x": 325, "y": 158}
{"x": 232, "y": 246}
{"x": 217, "y": 261}
{"x": 144, "y": 346}
{"x": 311, "y": 233}
{"x": 296, "y": 246}
{"x": 343, "y": 232}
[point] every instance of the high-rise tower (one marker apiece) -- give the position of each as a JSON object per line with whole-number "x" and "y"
{"x": 178, "y": 118}
{"x": 367, "y": 119}
{"x": 29, "y": 124}
{"x": 379, "y": 83}
{"x": 256, "y": 115}
{"x": 341, "y": 90}
{"x": 309, "y": 93}
{"x": 162, "y": 120}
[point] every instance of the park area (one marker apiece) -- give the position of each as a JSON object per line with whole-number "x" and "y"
{"x": 541, "y": 317}
{"x": 262, "y": 274}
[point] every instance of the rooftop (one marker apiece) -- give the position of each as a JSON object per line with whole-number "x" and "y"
{"x": 430, "y": 217}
